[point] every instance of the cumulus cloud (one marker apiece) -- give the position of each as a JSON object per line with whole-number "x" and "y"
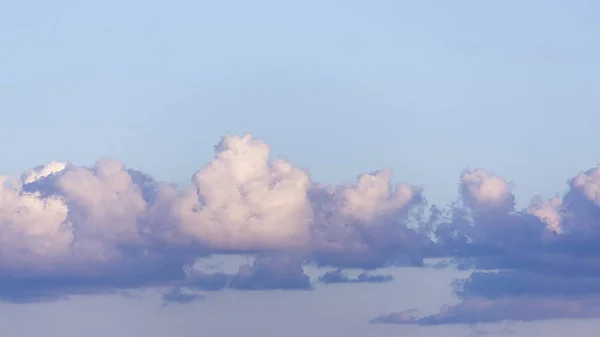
{"x": 367, "y": 224}
{"x": 544, "y": 258}
{"x": 372, "y": 197}
{"x": 549, "y": 212}
{"x": 69, "y": 229}
{"x": 339, "y": 276}
{"x": 243, "y": 201}
{"x": 484, "y": 220}
{"x": 32, "y": 226}
{"x": 589, "y": 184}
{"x": 86, "y": 227}
{"x": 482, "y": 190}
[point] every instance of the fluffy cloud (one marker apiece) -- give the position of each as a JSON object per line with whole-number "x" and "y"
{"x": 367, "y": 224}
{"x": 589, "y": 184}
{"x": 535, "y": 264}
{"x": 33, "y": 227}
{"x": 243, "y": 201}
{"x": 549, "y": 212}
{"x": 68, "y": 229}
{"x": 64, "y": 220}
{"x": 482, "y": 190}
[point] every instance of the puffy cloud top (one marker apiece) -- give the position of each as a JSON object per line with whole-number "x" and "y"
{"x": 589, "y": 183}
{"x": 373, "y": 196}
{"x": 243, "y": 201}
{"x": 549, "y": 212}
{"x": 483, "y": 190}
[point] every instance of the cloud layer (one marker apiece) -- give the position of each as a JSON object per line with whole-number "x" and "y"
{"x": 533, "y": 264}
{"x": 75, "y": 228}
{"x": 68, "y": 229}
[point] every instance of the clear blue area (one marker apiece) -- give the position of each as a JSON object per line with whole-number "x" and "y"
{"x": 426, "y": 88}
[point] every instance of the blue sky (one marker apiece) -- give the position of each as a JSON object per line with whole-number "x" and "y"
{"x": 425, "y": 88}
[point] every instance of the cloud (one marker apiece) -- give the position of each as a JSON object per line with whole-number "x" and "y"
{"x": 206, "y": 281}
{"x": 267, "y": 272}
{"x": 368, "y": 224}
{"x": 243, "y": 201}
{"x": 175, "y": 295}
{"x": 534, "y": 264}
{"x": 338, "y": 276}
{"x": 521, "y": 309}
{"x": 82, "y": 229}
{"x": 549, "y": 212}
{"x": 524, "y": 283}
{"x": 68, "y": 229}
{"x": 482, "y": 190}
{"x": 401, "y": 317}
{"x": 29, "y": 286}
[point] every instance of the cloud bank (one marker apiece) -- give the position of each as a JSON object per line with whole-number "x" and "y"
{"x": 68, "y": 229}
{"x": 534, "y": 264}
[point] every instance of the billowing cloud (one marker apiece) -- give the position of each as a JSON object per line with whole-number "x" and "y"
{"x": 589, "y": 184}
{"x": 33, "y": 227}
{"x": 69, "y": 229}
{"x": 372, "y": 197}
{"x": 482, "y": 190}
{"x": 79, "y": 228}
{"x": 534, "y": 264}
{"x": 549, "y": 212}
{"x": 367, "y": 224}
{"x": 242, "y": 200}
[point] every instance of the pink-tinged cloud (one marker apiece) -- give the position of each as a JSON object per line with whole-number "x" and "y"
{"x": 68, "y": 229}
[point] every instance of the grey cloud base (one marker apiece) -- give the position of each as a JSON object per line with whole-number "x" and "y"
{"x": 339, "y": 276}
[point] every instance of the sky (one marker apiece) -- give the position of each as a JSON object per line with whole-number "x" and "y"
{"x": 192, "y": 167}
